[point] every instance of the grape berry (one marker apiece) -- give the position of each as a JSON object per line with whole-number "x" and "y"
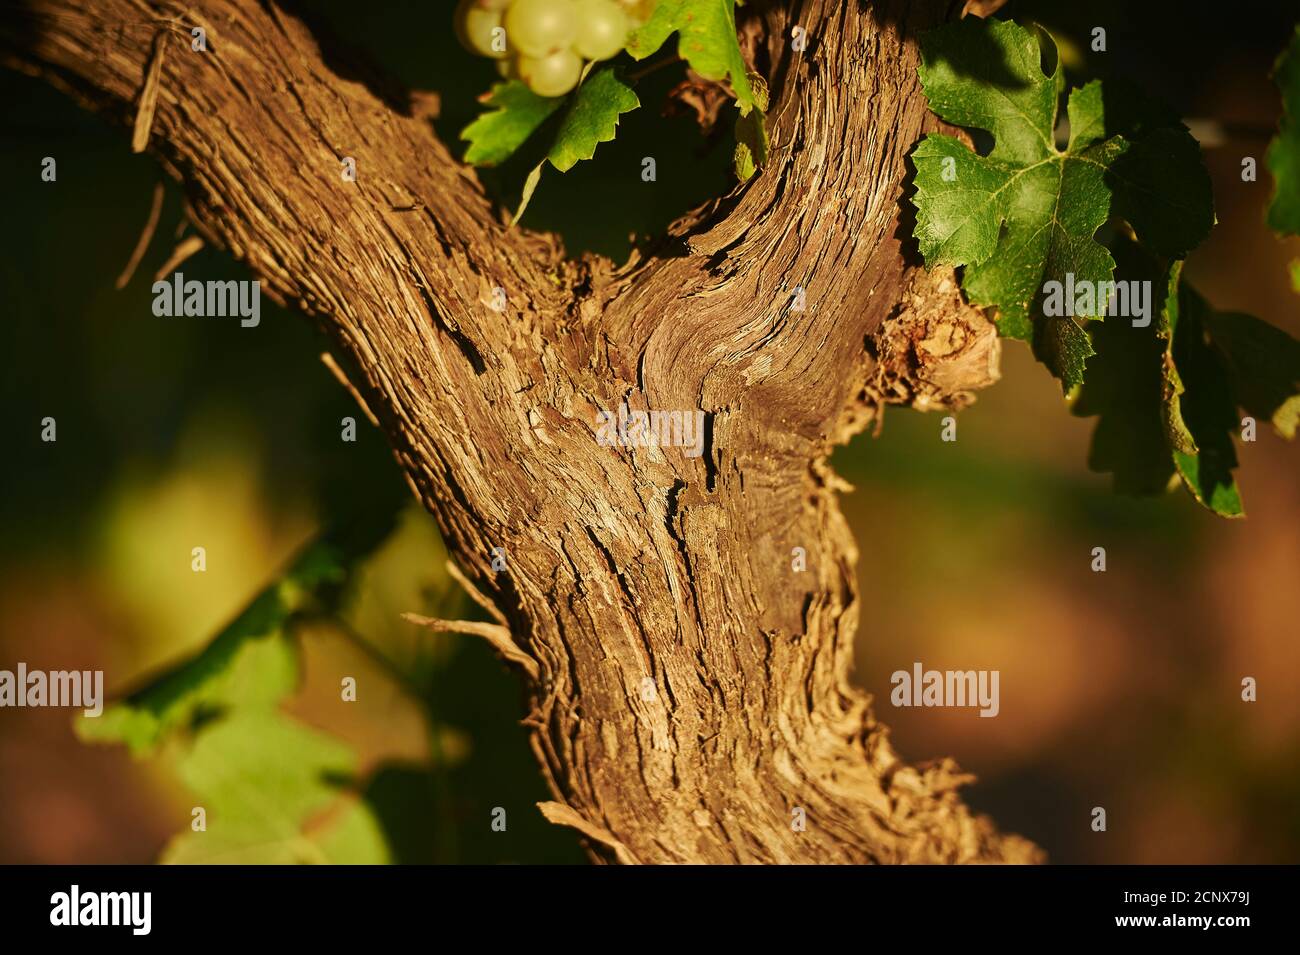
{"x": 546, "y": 43}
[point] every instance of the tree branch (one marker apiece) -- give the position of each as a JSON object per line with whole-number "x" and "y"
{"x": 691, "y": 699}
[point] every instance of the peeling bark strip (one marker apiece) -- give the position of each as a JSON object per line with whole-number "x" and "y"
{"x": 149, "y": 95}
{"x": 692, "y": 694}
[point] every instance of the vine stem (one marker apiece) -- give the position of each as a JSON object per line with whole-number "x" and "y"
{"x": 653, "y": 67}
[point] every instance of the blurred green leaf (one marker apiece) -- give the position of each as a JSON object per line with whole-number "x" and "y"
{"x": 250, "y": 664}
{"x": 266, "y": 784}
{"x": 264, "y": 780}
{"x": 1284, "y": 152}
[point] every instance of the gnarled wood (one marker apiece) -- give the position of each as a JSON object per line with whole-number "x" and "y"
{"x": 691, "y": 686}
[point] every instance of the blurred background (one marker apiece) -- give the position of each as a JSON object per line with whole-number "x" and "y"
{"x": 1119, "y": 690}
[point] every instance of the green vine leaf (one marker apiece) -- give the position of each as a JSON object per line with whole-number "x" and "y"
{"x": 707, "y": 41}
{"x": 1125, "y": 389}
{"x": 1263, "y": 365}
{"x": 517, "y": 112}
{"x": 591, "y": 119}
{"x": 1167, "y": 396}
{"x": 1205, "y": 417}
{"x": 751, "y": 134}
{"x": 1027, "y": 213}
{"x": 1284, "y": 152}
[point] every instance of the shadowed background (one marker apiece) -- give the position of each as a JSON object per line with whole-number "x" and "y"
{"x": 1119, "y": 690}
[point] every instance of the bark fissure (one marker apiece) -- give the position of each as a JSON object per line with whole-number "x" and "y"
{"x": 626, "y": 567}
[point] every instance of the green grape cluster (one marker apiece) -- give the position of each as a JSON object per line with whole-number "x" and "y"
{"x": 546, "y": 43}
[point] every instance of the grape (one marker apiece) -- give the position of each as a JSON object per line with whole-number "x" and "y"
{"x": 602, "y": 29}
{"x": 541, "y": 27}
{"x": 552, "y": 75}
{"x": 474, "y": 26}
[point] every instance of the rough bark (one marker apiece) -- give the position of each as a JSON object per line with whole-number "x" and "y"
{"x": 622, "y": 564}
